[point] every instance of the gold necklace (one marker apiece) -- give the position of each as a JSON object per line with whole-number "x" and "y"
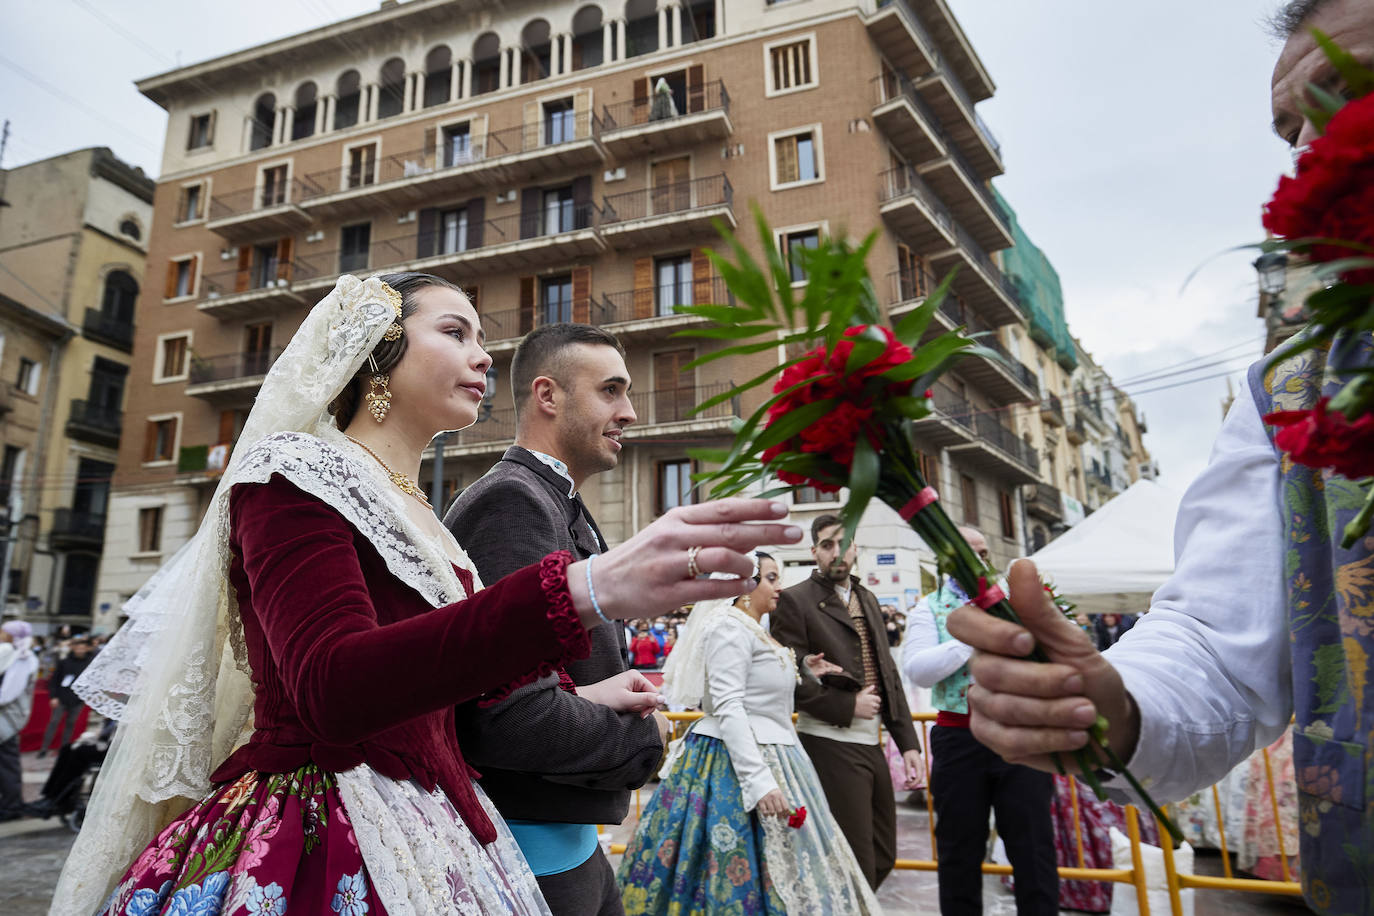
{"x": 402, "y": 482}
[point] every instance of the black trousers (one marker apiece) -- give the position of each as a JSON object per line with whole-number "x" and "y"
{"x": 858, "y": 788}
{"x": 11, "y": 777}
{"x": 587, "y": 890}
{"x": 966, "y": 781}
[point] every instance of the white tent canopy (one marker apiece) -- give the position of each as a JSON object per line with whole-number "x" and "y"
{"x": 1113, "y": 560}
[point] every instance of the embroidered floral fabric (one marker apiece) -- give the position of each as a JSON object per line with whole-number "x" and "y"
{"x": 697, "y": 850}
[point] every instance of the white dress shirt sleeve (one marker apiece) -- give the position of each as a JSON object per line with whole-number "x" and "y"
{"x": 1209, "y": 665}
{"x": 729, "y": 655}
{"x": 925, "y": 660}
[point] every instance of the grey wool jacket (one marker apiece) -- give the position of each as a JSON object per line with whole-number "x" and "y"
{"x": 544, "y": 753}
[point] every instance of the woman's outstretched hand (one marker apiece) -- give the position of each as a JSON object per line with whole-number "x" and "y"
{"x": 653, "y": 573}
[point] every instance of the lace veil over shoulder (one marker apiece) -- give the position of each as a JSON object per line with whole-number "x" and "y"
{"x": 176, "y": 676}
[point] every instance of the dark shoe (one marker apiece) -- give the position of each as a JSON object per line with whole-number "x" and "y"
{"x": 42, "y": 809}
{"x": 13, "y": 814}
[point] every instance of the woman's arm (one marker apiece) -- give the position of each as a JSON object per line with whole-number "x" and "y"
{"x": 350, "y": 676}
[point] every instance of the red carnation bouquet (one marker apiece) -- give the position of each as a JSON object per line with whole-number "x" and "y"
{"x": 841, "y": 409}
{"x": 1325, "y": 213}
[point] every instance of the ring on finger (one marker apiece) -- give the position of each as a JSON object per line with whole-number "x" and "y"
{"x": 693, "y": 570}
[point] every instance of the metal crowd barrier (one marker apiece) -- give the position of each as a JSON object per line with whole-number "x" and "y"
{"x": 1135, "y": 875}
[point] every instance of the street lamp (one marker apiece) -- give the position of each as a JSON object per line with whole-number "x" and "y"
{"x": 1272, "y": 267}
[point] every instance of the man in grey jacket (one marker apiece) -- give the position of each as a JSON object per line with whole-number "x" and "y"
{"x": 561, "y": 753}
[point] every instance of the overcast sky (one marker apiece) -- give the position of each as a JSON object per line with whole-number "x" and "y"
{"x": 1135, "y": 137}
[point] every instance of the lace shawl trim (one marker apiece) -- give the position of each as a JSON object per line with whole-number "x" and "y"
{"x": 567, "y": 627}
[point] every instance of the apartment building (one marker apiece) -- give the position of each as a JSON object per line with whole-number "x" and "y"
{"x": 568, "y": 162}
{"x": 1114, "y": 452}
{"x": 73, "y": 231}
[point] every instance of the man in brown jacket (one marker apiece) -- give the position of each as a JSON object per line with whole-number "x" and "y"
{"x": 838, "y": 720}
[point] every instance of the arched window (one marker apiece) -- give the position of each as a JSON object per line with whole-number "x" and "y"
{"x": 536, "y": 54}
{"x": 438, "y": 76}
{"x": 264, "y": 121}
{"x": 307, "y": 101}
{"x": 588, "y": 44}
{"x": 348, "y": 96}
{"x": 392, "y": 85}
{"x": 486, "y": 63}
{"x": 120, "y": 294}
{"x": 130, "y": 228}
{"x": 641, "y": 27}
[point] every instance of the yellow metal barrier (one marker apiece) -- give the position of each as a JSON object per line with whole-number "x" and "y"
{"x": 1134, "y": 876}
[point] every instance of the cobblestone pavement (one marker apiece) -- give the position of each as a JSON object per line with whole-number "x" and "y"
{"x": 33, "y": 852}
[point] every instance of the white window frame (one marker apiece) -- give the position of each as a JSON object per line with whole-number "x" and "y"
{"x": 261, "y": 182}
{"x": 204, "y": 202}
{"x": 176, "y": 440}
{"x": 159, "y": 377}
{"x": 207, "y": 113}
{"x": 817, "y": 142}
{"x": 137, "y": 553}
{"x": 200, "y": 269}
{"x": 771, "y": 91}
{"x": 570, "y": 97}
{"x": 441, "y": 148}
{"x": 348, "y": 148}
{"x": 780, "y": 234}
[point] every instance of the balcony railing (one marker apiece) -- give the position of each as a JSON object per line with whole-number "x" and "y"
{"x": 710, "y": 96}
{"x": 676, "y": 405}
{"x": 108, "y": 329}
{"x": 1052, "y": 409}
{"x": 903, "y": 181}
{"x": 1005, "y": 440}
{"x": 1045, "y": 502}
{"x": 658, "y": 301}
{"x": 71, "y": 525}
{"x": 986, "y": 262}
{"x": 262, "y": 276}
{"x": 246, "y": 200}
{"x": 712, "y": 191}
{"x": 94, "y": 422}
{"x": 230, "y": 367}
{"x": 890, "y": 86}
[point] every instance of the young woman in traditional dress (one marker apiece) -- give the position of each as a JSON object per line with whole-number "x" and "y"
{"x": 290, "y": 673}
{"x": 726, "y": 831}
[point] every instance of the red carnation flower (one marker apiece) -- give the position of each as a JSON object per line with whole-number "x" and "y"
{"x": 1332, "y": 195}
{"x": 797, "y": 818}
{"x": 1321, "y": 438}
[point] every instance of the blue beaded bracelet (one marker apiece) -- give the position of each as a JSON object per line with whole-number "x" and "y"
{"x": 591, "y": 590}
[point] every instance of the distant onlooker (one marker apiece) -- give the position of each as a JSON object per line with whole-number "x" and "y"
{"x": 20, "y": 673}
{"x": 644, "y": 649}
{"x": 63, "y": 698}
{"x": 1108, "y": 628}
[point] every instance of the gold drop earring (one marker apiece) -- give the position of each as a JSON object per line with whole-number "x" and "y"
{"x": 379, "y": 397}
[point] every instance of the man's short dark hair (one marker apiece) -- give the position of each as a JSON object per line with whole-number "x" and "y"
{"x": 544, "y": 352}
{"x": 1288, "y": 19}
{"x": 822, "y": 522}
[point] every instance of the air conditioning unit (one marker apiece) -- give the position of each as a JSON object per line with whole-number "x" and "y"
{"x": 616, "y": 174}
{"x": 506, "y": 197}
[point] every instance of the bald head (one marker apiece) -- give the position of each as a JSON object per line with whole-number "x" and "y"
{"x": 977, "y": 542}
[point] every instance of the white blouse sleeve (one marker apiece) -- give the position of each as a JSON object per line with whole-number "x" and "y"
{"x": 925, "y": 660}
{"x": 1209, "y": 665}
{"x": 729, "y": 655}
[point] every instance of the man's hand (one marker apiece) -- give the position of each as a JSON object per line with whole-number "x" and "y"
{"x": 52, "y": 704}
{"x": 628, "y": 691}
{"x": 774, "y": 804}
{"x": 911, "y": 762}
{"x": 867, "y": 703}
{"x": 1026, "y": 710}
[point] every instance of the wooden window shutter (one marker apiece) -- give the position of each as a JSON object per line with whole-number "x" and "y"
{"x": 431, "y": 147}
{"x": 150, "y": 441}
{"x": 582, "y": 113}
{"x": 171, "y": 289}
{"x": 529, "y": 213}
{"x": 477, "y": 218}
{"x": 244, "y": 266}
{"x": 181, "y": 213}
{"x": 194, "y": 267}
{"x": 582, "y": 295}
{"x": 534, "y": 127}
{"x": 641, "y": 97}
{"x": 696, "y": 88}
{"x": 284, "y": 245}
{"x": 210, "y": 133}
{"x": 644, "y": 287}
{"x": 527, "y": 285}
{"x": 703, "y": 290}
{"x": 427, "y": 232}
{"x": 227, "y": 422}
{"x": 785, "y": 152}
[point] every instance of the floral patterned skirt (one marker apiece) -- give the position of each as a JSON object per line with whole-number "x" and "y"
{"x": 697, "y": 851}
{"x": 312, "y": 842}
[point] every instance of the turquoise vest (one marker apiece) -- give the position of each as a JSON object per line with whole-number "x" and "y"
{"x": 950, "y": 694}
{"x": 1331, "y": 626}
